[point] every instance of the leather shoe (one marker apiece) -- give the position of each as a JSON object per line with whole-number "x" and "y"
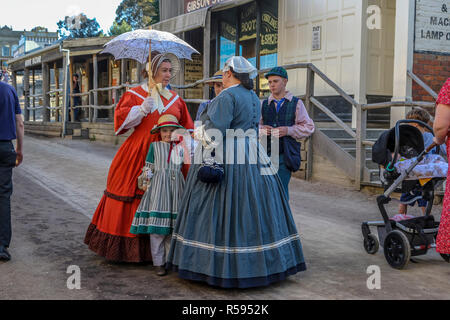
{"x": 4, "y": 254}
{"x": 446, "y": 257}
{"x": 161, "y": 271}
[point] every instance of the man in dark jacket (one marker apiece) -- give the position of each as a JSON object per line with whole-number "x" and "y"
{"x": 11, "y": 128}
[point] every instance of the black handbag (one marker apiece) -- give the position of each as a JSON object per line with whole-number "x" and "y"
{"x": 292, "y": 156}
{"x": 210, "y": 171}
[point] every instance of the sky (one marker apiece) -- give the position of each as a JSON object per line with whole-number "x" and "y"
{"x": 27, "y": 14}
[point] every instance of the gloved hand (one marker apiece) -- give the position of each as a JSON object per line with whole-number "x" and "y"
{"x": 149, "y": 174}
{"x": 177, "y": 136}
{"x": 147, "y": 106}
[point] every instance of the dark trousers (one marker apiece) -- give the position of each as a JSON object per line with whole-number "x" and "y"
{"x": 285, "y": 175}
{"x": 7, "y": 163}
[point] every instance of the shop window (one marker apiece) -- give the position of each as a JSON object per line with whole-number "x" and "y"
{"x": 5, "y": 51}
{"x": 227, "y": 46}
{"x": 193, "y": 70}
{"x": 240, "y": 24}
{"x": 133, "y": 72}
{"x": 269, "y": 34}
{"x": 247, "y": 32}
{"x": 269, "y": 41}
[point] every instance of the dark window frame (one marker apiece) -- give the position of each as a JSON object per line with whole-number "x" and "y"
{"x": 236, "y": 12}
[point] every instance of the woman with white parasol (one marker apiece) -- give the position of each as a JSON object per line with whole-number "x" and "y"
{"x": 109, "y": 232}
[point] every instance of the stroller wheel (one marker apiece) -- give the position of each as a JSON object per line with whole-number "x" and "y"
{"x": 397, "y": 249}
{"x": 371, "y": 244}
{"x": 446, "y": 257}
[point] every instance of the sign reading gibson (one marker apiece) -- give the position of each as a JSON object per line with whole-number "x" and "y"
{"x": 433, "y": 26}
{"x": 193, "y": 5}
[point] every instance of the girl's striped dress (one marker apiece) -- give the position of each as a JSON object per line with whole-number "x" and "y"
{"x": 158, "y": 209}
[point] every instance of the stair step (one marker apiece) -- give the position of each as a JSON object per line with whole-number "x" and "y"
{"x": 374, "y": 175}
{"x": 349, "y": 142}
{"x": 337, "y": 133}
{"x": 345, "y": 142}
{"x": 376, "y": 184}
{"x": 371, "y": 165}
{"x": 73, "y": 125}
{"x": 85, "y": 133}
{"x": 352, "y": 151}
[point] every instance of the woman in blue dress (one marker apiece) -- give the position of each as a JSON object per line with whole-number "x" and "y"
{"x": 237, "y": 233}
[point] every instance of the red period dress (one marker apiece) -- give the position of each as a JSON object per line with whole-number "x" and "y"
{"x": 109, "y": 233}
{"x": 443, "y": 238}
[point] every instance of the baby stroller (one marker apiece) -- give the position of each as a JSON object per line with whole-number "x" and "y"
{"x": 413, "y": 237}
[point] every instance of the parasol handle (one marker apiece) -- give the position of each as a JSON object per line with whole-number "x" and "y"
{"x": 151, "y": 81}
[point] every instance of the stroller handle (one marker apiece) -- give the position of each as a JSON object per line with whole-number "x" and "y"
{"x": 397, "y": 136}
{"x": 431, "y": 146}
{"x": 423, "y": 124}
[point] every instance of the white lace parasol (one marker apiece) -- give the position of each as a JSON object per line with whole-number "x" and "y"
{"x": 135, "y": 45}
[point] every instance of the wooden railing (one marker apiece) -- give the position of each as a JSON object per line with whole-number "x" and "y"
{"x": 41, "y": 96}
{"x": 361, "y": 112}
{"x": 362, "y": 109}
{"x": 422, "y": 84}
{"x": 360, "y": 135}
{"x": 92, "y": 108}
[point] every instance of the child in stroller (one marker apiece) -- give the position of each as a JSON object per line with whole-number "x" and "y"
{"x": 415, "y": 195}
{"x": 410, "y": 237}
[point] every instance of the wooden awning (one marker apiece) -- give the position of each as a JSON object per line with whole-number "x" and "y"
{"x": 183, "y": 23}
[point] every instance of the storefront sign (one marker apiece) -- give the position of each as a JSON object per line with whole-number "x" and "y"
{"x": 193, "y": 71}
{"x": 269, "y": 29}
{"x": 33, "y": 61}
{"x": 228, "y": 31}
{"x": 433, "y": 26}
{"x": 316, "y": 38}
{"x": 193, "y": 5}
{"x": 269, "y": 33}
{"x": 248, "y": 22}
{"x": 247, "y": 34}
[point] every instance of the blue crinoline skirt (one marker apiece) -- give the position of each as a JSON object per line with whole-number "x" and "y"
{"x": 239, "y": 233}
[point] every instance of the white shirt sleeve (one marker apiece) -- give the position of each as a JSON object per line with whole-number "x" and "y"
{"x": 133, "y": 119}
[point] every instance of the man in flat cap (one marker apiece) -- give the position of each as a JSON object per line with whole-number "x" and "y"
{"x": 285, "y": 117}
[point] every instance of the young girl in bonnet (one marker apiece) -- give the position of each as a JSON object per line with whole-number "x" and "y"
{"x": 158, "y": 210}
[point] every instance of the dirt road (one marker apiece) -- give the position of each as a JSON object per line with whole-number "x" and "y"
{"x": 58, "y": 187}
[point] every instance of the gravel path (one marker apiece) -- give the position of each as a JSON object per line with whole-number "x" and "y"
{"x": 56, "y": 192}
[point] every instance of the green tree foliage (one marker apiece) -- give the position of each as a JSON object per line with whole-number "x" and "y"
{"x": 118, "y": 29}
{"x": 39, "y": 29}
{"x": 79, "y": 27}
{"x": 138, "y": 13}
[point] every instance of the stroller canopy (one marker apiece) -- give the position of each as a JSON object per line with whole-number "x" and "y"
{"x": 384, "y": 147}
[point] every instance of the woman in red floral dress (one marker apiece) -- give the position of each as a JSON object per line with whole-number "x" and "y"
{"x": 441, "y": 128}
